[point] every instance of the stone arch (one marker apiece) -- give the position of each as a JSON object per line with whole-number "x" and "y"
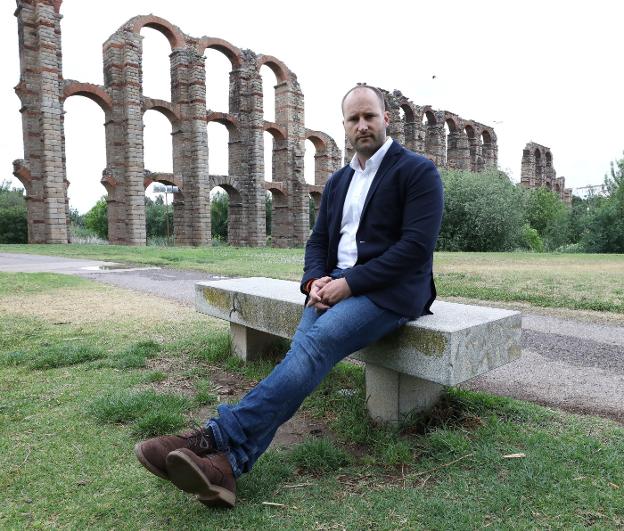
{"x": 95, "y": 93}
{"x": 168, "y": 109}
{"x": 174, "y": 35}
{"x": 229, "y": 121}
{"x": 235, "y": 223}
{"x": 322, "y": 160}
{"x": 281, "y": 71}
{"x": 232, "y": 52}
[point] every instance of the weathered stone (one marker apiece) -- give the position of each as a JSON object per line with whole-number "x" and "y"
{"x": 538, "y": 171}
{"x": 42, "y": 91}
{"x": 456, "y": 343}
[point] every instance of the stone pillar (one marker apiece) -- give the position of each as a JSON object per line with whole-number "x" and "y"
{"x": 476, "y": 161}
{"x": 246, "y": 219}
{"x": 249, "y": 344}
{"x": 391, "y": 396}
{"x": 490, "y": 151}
{"x": 40, "y": 89}
{"x": 458, "y": 151}
{"x": 527, "y": 174}
{"x": 435, "y": 139}
{"x": 124, "y": 139}
{"x": 190, "y": 146}
{"x": 289, "y": 114}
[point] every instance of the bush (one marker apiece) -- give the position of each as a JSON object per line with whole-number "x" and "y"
{"x": 158, "y": 219}
{"x": 549, "y": 216}
{"x": 531, "y": 239}
{"x": 96, "y": 220}
{"x": 605, "y": 225}
{"x": 13, "y": 215}
{"x": 482, "y": 212}
{"x": 219, "y": 205}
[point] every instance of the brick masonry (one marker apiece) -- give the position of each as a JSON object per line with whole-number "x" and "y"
{"x": 42, "y": 90}
{"x": 538, "y": 171}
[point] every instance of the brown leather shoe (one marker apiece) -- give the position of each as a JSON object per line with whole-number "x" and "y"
{"x": 209, "y": 477}
{"x": 153, "y": 452}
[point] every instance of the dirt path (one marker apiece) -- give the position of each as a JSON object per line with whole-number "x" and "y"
{"x": 571, "y": 360}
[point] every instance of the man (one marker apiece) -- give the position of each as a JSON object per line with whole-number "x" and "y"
{"x": 368, "y": 270}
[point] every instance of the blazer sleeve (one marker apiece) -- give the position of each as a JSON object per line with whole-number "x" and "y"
{"x": 422, "y": 217}
{"x": 317, "y": 246}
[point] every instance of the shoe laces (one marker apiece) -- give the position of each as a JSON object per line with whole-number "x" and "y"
{"x": 200, "y": 438}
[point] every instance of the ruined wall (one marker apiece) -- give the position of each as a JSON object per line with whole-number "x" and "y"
{"x": 449, "y": 140}
{"x": 538, "y": 171}
{"x": 446, "y": 138}
{"x": 43, "y": 91}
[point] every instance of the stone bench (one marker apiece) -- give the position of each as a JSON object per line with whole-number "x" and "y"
{"x": 405, "y": 372}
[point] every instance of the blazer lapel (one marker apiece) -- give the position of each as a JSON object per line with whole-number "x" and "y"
{"x": 386, "y": 164}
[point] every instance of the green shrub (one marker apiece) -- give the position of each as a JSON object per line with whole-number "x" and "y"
{"x": 482, "y": 212}
{"x": 531, "y": 239}
{"x": 96, "y": 220}
{"x": 13, "y": 215}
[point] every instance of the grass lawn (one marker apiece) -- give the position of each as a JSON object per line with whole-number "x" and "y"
{"x": 574, "y": 281}
{"x": 86, "y": 370}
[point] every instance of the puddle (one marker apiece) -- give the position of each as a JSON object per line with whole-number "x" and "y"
{"x": 112, "y": 267}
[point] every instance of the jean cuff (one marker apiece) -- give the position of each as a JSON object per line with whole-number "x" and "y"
{"x": 222, "y": 446}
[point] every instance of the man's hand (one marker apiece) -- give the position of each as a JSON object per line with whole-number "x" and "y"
{"x": 314, "y": 297}
{"x": 334, "y": 291}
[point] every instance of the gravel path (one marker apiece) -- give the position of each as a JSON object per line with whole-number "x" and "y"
{"x": 573, "y": 363}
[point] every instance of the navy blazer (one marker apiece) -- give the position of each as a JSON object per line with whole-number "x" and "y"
{"x": 396, "y": 236}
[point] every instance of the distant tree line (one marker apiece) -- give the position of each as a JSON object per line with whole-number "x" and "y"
{"x": 482, "y": 212}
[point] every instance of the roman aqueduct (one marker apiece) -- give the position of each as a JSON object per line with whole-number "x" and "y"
{"x": 448, "y": 139}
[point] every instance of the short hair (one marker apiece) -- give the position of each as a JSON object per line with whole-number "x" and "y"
{"x": 377, "y": 92}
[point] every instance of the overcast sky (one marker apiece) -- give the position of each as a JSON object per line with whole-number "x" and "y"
{"x": 546, "y": 72}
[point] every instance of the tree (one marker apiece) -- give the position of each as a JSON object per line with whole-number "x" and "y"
{"x": 13, "y": 215}
{"x": 548, "y": 215}
{"x": 158, "y": 218}
{"x": 605, "y": 227}
{"x": 482, "y": 212}
{"x": 96, "y": 220}
{"x": 219, "y": 206}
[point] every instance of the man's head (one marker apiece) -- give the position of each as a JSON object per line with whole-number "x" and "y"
{"x": 365, "y": 120}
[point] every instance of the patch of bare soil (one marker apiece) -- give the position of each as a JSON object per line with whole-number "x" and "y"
{"x": 228, "y": 387}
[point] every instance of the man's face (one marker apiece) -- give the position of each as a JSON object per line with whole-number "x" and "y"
{"x": 364, "y": 121}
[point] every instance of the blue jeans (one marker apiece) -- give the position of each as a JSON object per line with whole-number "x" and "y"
{"x": 245, "y": 430}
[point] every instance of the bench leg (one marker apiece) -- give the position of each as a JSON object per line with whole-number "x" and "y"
{"x": 249, "y": 344}
{"x": 392, "y": 395}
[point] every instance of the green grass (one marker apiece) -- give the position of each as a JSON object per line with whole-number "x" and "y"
{"x": 67, "y": 433}
{"x": 574, "y": 281}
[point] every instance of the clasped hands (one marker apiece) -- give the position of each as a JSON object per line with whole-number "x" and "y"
{"x": 326, "y": 291}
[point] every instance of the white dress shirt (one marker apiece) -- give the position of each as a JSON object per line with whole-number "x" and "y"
{"x": 354, "y": 203}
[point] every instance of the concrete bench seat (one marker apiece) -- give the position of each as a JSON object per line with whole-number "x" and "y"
{"x": 405, "y": 372}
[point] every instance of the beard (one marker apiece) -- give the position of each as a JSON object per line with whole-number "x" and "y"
{"x": 367, "y": 145}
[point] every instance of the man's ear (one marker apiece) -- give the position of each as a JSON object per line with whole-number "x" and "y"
{"x": 386, "y": 118}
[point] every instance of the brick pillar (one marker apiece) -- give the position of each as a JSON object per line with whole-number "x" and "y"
{"x": 246, "y": 216}
{"x": 490, "y": 151}
{"x": 395, "y": 128}
{"x": 123, "y": 177}
{"x": 40, "y": 89}
{"x": 527, "y": 174}
{"x": 289, "y": 113}
{"x": 458, "y": 151}
{"x": 435, "y": 139}
{"x": 476, "y": 162}
{"x": 190, "y": 146}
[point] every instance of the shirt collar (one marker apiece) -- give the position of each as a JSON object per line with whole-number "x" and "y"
{"x": 375, "y": 161}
